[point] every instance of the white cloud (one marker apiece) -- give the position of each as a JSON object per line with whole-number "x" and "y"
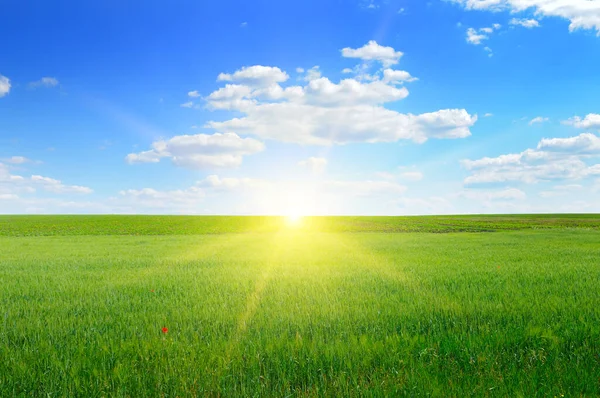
{"x": 45, "y": 82}
{"x": 14, "y": 184}
{"x": 312, "y": 74}
{"x": 591, "y": 121}
{"x": 17, "y": 160}
{"x": 243, "y": 24}
{"x": 364, "y": 188}
{"x": 152, "y": 198}
{"x": 4, "y": 86}
{"x": 412, "y": 175}
{"x": 322, "y": 112}
{"x": 526, "y": 23}
{"x": 374, "y": 52}
{"x": 230, "y": 97}
{"x": 397, "y": 76}
{"x": 582, "y": 14}
{"x": 230, "y": 183}
{"x": 200, "y": 150}
{"x": 488, "y": 115}
{"x": 256, "y": 75}
{"x": 57, "y": 186}
{"x": 583, "y": 143}
{"x": 491, "y": 195}
{"x": 554, "y": 159}
{"x": 299, "y": 70}
{"x": 193, "y": 94}
{"x": 188, "y": 104}
{"x": 539, "y": 119}
{"x": 477, "y": 36}
{"x": 316, "y": 165}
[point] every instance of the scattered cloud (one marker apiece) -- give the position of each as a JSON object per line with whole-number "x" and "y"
{"x": 312, "y": 74}
{"x": 374, "y": 52}
{"x": 243, "y": 24}
{"x": 411, "y": 175}
{"x": 316, "y": 165}
{"x": 492, "y": 195}
{"x": 256, "y": 75}
{"x": 554, "y": 159}
{"x": 397, "y": 76}
{"x": 4, "y": 86}
{"x": 539, "y": 119}
{"x": 193, "y": 94}
{"x": 322, "y": 112}
{"x": 44, "y": 82}
{"x": 188, "y": 104}
{"x": 591, "y": 121}
{"x": 526, "y": 23}
{"x": 369, "y": 4}
{"x": 585, "y": 143}
{"x": 200, "y": 151}
{"x": 582, "y": 14}
{"x": 488, "y": 115}
{"x": 14, "y": 185}
{"x": 477, "y": 36}
{"x": 17, "y": 160}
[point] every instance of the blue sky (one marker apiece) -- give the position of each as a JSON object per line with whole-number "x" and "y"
{"x": 313, "y": 107}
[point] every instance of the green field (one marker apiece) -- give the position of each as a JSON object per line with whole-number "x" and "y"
{"x": 338, "y": 306}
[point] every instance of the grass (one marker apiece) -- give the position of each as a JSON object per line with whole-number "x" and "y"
{"x": 508, "y": 306}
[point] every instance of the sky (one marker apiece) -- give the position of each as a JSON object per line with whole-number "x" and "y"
{"x": 316, "y": 107}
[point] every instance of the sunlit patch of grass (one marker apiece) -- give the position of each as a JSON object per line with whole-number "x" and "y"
{"x": 302, "y": 312}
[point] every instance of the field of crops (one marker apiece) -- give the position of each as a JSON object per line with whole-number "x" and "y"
{"x": 337, "y": 306}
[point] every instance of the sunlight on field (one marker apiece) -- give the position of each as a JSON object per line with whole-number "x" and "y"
{"x": 299, "y": 306}
{"x": 294, "y": 220}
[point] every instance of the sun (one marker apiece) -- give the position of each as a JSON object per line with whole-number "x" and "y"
{"x": 294, "y": 219}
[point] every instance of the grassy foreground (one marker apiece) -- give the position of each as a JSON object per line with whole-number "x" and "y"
{"x": 338, "y": 307}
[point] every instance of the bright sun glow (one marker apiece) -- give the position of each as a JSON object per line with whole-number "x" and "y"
{"x": 294, "y": 219}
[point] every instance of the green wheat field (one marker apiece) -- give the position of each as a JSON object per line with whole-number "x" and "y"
{"x": 173, "y": 306}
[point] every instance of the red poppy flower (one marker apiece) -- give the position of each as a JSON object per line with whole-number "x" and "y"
{"x": 165, "y": 330}
{"x": 152, "y": 290}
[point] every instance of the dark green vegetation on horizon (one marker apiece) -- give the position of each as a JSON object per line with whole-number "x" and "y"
{"x": 200, "y": 225}
{"x": 306, "y": 311}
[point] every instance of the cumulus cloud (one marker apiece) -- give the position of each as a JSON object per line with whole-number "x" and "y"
{"x": 56, "y": 186}
{"x": 15, "y": 184}
{"x": 526, "y": 23}
{"x": 582, "y": 14}
{"x": 397, "y": 76}
{"x": 477, "y": 36}
{"x": 591, "y": 121}
{"x": 200, "y": 150}
{"x": 316, "y": 165}
{"x": 323, "y": 112}
{"x": 17, "y": 160}
{"x": 193, "y": 94}
{"x": 4, "y": 85}
{"x": 256, "y": 75}
{"x": 188, "y": 104}
{"x": 583, "y": 143}
{"x": 374, "y": 52}
{"x": 539, "y": 119}
{"x": 553, "y": 159}
{"x": 45, "y": 82}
